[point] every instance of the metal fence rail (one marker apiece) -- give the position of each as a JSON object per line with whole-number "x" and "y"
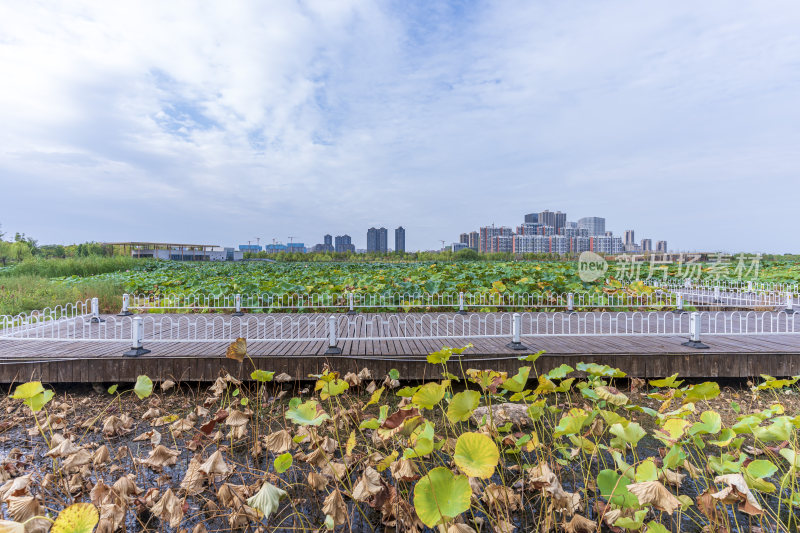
{"x": 724, "y": 285}
{"x": 359, "y": 302}
{"x": 150, "y": 329}
{"x": 34, "y": 319}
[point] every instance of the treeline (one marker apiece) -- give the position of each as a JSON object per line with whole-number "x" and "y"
{"x": 23, "y": 248}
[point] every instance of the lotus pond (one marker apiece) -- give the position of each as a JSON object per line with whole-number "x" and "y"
{"x": 577, "y": 450}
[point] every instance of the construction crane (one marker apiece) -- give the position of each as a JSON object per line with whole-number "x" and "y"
{"x": 442, "y": 241}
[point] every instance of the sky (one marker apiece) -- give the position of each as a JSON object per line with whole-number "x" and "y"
{"x": 224, "y": 122}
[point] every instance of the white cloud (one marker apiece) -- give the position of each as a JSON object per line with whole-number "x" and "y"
{"x": 219, "y": 122}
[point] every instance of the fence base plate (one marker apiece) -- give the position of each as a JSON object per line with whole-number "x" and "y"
{"x": 351, "y": 313}
{"x": 461, "y": 312}
{"x": 789, "y": 311}
{"x": 97, "y": 320}
{"x": 516, "y": 346}
{"x": 135, "y": 352}
{"x": 679, "y": 312}
{"x": 695, "y": 344}
{"x": 238, "y": 314}
{"x": 333, "y": 350}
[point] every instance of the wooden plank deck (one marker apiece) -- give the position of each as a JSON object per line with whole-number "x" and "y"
{"x": 733, "y": 356}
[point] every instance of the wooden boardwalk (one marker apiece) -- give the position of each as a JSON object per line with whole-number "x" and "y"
{"x": 50, "y": 361}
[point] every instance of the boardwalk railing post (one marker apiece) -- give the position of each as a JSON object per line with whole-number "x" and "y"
{"x": 137, "y": 336}
{"x": 570, "y": 303}
{"x": 237, "y": 301}
{"x": 679, "y": 310}
{"x": 749, "y": 286}
{"x": 352, "y": 310}
{"x": 516, "y": 335}
{"x": 687, "y": 283}
{"x": 694, "y": 333}
{"x": 126, "y": 299}
{"x": 332, "y": 348}
{"x": 461, "y": 304}
{"x": 789, "y": 303}
{"x": 96, "y": 312}
{"x": 716, "y": 293}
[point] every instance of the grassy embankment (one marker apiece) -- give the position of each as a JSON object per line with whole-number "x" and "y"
{"x": 28, "y": 286}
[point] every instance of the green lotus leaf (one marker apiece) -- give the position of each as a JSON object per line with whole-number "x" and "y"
{"x": 702, "y": 391}
{"x": 757, "y": 483}
{"x": 518, "y": 382}
{"x": 646, "y": 471}
{"x": 761, "y": 468}
{"x": 442, "y": 356}
{"x": 725, "y": 438}
{"x": 422, "y": 441}
{"x": 267, "y": 499}
{"x": 283, "y": 462}
{"x": 531, "y": 358}
{"x": 462, "y": 405}
{"x": 28, "y": 390}
{"x": 710, "y": 424}
{"x": 778, "y": 431}
{"x": 614, "y": 488}
{"x": 331, "y": 387}
{"x": 571, "y": 423}
{"x": 430, "y": 394}
{"x": 113, "y": 388}
{"x": 560, "y": 372}
{"x": 655, "y": 527}
{"x": 633, "y": 524}
{"x": 564, "y": 385}
{"x": 77, "y": 518}
{"x": 143, "y": 387}
{"x": 791, "y": 456}
{"x": 407, "y": 391}
{"x": 600, "y": 370}
{"x": 307, "y": 414}
{"x": 261, "y": 376}
{"x": 441, "y": 496}
{"x": 629, "y": 434}
{"x": 40, "y": 400}
{"x": 476, "y": 455}
{"x": 671, "y": 382}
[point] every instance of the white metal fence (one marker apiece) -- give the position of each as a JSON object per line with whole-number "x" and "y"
{"x": 335, "y": 328}
{"x": 360, "y": 302}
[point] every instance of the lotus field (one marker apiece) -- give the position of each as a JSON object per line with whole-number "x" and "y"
{"x": 169, "y": 277}
{"x": 579, "y": 449}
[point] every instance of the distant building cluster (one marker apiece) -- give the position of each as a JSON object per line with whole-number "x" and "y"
{"x": 340, "y": 243}
{"x": 551, "y": 232}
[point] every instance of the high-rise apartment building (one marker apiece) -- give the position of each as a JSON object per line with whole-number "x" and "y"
{"x": 647, "y": 245}
{"x": 606, "y": 245}
{"x": 344, "y": 243}
{"x": 474, "y": 240}
{"x": 400, "y": 239}
{"x": 464, "y": 238}
{"x": 629, "y": 238}
{"x": 661, "y": 246}
{"x": 328, "y": 240}
{"x": 488, "y": 233}
{"x": 377, "y": 240}
{"x": 594, "y": 225}
{"x": 556, "y": 219}
{"x": 532, "y": 218}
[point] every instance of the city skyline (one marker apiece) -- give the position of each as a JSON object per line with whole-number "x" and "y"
{"x": 341, "y": 115}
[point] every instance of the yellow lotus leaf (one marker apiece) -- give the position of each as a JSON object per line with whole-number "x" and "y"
{"x": 77, "y": 518}
{"x": 476, "y": 455}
